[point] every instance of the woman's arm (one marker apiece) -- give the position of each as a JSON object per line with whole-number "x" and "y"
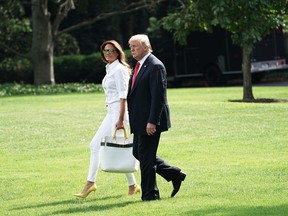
{"x": 119, "y": 123}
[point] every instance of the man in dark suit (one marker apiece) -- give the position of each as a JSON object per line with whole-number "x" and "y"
{"x": 149, "y": 116}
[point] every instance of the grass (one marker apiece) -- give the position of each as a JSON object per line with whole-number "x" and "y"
{"x": 235, "y": 156}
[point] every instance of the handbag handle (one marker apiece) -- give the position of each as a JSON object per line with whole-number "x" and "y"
{"x": 125, "y": 133}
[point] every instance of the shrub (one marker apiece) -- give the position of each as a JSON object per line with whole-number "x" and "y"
{"x": 13, "y": 89}
{"x": 67, "y": 69}
{"x": 66, "y": 44}
{"x": 16, "y": 70}
{"x": 79, "y": 68}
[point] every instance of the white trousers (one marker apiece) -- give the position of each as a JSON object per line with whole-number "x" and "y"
{"x": 107, "y": 128}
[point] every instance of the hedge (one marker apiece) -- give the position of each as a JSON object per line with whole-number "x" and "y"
{"x": 67, "y": 69}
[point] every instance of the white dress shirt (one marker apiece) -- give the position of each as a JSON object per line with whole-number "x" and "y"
{"x": 115, "y": 82}
{"x": 143, "y": 60}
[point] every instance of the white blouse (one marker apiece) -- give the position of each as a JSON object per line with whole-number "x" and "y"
{"x": 115, "y": 82}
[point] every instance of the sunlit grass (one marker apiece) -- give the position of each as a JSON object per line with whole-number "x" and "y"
{"x": 235, "y": 156}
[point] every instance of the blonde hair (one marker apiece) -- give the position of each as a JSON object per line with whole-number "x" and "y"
{"x": 143, "y": 39}
{"x": 121, "y": 55}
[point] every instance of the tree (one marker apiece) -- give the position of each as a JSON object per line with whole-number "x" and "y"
{"x": 46, "y": 26}
{"x": 247, "y": 21}
{"x": 13, "y": 30}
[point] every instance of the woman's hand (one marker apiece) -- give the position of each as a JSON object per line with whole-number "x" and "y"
{"x": 119, "y": 125}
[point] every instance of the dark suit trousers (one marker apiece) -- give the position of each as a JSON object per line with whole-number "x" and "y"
{"x": 145, "y": 150}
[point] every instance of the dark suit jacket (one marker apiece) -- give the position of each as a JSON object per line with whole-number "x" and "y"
{"x": 147, "y": 100}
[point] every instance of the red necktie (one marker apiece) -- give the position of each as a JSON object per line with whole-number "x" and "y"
{"x": 135, "y": 73}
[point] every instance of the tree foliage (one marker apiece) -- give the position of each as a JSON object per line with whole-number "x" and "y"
{"x": 247, "y": 21}
{"x": 15, "y": 29}
{"x": 47, "y": 23}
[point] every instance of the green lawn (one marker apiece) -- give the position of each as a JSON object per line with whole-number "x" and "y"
{"x": 235, "y": 156}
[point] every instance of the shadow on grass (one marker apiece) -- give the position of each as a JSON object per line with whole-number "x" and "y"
{"x": 261, "y": 100}
{"x": 93, "y": 205}
{"x": 63, "y": 202}
{"x": 278, "y": 210}
{"x": 94, "y": 208}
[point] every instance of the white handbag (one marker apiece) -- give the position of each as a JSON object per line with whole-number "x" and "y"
{"x": 116, "y": 154}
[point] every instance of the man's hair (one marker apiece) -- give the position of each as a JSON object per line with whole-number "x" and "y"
{"x": 143, "y": 39}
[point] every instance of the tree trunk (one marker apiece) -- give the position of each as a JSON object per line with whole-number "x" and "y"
{"x": 41, "y": 53}
{"x": 247, "y": 77}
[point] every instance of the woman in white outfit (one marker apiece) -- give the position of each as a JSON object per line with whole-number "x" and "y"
{"x": 115, "y": 85}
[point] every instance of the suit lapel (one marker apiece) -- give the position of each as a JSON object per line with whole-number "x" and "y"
{"x": 141, "y": 72}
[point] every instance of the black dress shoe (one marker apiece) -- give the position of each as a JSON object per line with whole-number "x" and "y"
{"x": 177, "y": 183}
{"x": 148, "y": 200}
